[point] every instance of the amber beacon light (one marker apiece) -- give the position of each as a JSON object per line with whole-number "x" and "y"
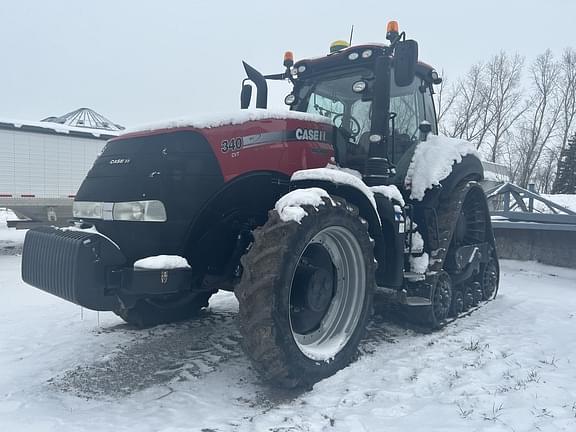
{"x": 288, "y": 59}
{"x": 392, "y": 27}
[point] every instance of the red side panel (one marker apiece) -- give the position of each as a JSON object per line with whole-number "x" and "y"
{"x": 270, "y": 145}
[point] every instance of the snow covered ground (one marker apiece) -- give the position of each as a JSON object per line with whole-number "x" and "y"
{"x": 508, "y": 367}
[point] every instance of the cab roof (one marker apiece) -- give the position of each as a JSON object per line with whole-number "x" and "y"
{"x": 340, "y": 59}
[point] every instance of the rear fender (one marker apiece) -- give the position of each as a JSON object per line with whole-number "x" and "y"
{"x": 469, "y": 168}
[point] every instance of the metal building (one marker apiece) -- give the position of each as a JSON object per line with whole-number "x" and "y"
{"x": 43, "y": 163}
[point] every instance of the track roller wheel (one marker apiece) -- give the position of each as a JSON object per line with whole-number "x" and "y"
{"x": 457, "y": 306}
{"x": 476, "y": 293}
{"x": 468, "y": 297}
{"x": 306, "y": 293}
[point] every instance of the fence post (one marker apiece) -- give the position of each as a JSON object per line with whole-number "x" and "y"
{"x": 531, "y": 188}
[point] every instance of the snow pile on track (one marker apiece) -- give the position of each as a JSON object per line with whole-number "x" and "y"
{"x": 289, "y": 207}
{"x": 162, "y": 262}
{"x": 207, "y": 121}
{"x": 433, "y": 161}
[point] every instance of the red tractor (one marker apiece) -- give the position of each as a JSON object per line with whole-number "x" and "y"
{"x": 304, "y": 214}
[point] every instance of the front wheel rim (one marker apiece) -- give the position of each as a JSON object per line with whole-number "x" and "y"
{"x": 340, "y": 321}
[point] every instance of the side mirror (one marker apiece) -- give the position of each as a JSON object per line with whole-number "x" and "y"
{"x": 245, "y": 96}
{"x": 405, "y": 59}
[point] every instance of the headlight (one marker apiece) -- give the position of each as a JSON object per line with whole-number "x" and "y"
{"x": 87, "y": 210}
{"x": 359, "y": 86}
{"x": 142, "y": 211}
{"x": 145, "y": 211}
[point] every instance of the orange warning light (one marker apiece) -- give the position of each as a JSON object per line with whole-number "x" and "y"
{"x": 288, "y": 59}
{"x": 392, "y": 27}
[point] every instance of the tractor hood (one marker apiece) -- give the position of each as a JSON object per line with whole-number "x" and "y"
{"x": 185, "y": 163}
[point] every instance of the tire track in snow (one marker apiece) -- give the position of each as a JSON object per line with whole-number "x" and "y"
{"x": 157, "y": 356}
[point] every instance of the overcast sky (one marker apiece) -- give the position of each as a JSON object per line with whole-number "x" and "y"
{"x": 140, "y": 61}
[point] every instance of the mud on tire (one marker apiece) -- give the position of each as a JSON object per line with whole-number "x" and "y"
{"x": 288, "y": 296}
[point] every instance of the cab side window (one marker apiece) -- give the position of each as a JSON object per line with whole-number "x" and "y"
{"x": 429, "y": 109}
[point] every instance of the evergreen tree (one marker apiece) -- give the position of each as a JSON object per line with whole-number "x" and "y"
{"x": 565, "y": 182}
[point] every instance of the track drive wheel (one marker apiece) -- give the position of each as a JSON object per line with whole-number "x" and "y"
{"x": 154, "y": 311}
{"x": 306, "y": 293}
{"x": 489, "y": 276}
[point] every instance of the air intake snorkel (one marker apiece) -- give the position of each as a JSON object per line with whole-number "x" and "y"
{"x": 261, "y": 88}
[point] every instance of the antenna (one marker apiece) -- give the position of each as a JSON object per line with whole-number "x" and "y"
{"x": 351, "y": 34}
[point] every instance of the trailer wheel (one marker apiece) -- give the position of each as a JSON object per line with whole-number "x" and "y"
{"x": 151, "y": 312}
{"x": 306, "y": 293}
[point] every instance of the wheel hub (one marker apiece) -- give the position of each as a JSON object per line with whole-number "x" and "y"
{"x": 319, "y": 290}
{"x": 327, "y": 293}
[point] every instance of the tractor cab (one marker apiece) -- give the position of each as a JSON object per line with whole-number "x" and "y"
{"x": 342, "y": 87}
{"x": 378, "y": 98}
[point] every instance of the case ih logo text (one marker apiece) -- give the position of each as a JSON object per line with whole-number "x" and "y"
{"x": 310, "y": 135}
{"x": 119, "y": 161}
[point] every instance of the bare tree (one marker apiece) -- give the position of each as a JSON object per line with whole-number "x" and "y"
{"x": 468, "y": 114}
{"x": 506, "y": 105}
{"x": 466, "y": 103}
{"x": 567, "y": 90}
{"x": 445, "y": 97}
{"x": 541, "y": 118}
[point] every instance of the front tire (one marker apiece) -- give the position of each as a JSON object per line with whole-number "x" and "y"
{"x": 150, "y": 312}
{"x": 306, "y": 293}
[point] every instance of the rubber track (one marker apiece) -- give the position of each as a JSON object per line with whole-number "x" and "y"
{"x": 447, "y": 216}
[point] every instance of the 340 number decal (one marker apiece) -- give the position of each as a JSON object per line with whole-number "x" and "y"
{"x": 231, "y": 145}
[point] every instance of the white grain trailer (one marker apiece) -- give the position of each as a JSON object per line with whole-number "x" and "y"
{"x": 41, "y": 167}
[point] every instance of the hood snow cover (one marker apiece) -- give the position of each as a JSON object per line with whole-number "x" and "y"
{"x": 207, "y": 121}
{"x": 433, "y": 161}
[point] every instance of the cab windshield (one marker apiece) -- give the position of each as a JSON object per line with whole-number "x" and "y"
{"x": 332, "y": 96}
